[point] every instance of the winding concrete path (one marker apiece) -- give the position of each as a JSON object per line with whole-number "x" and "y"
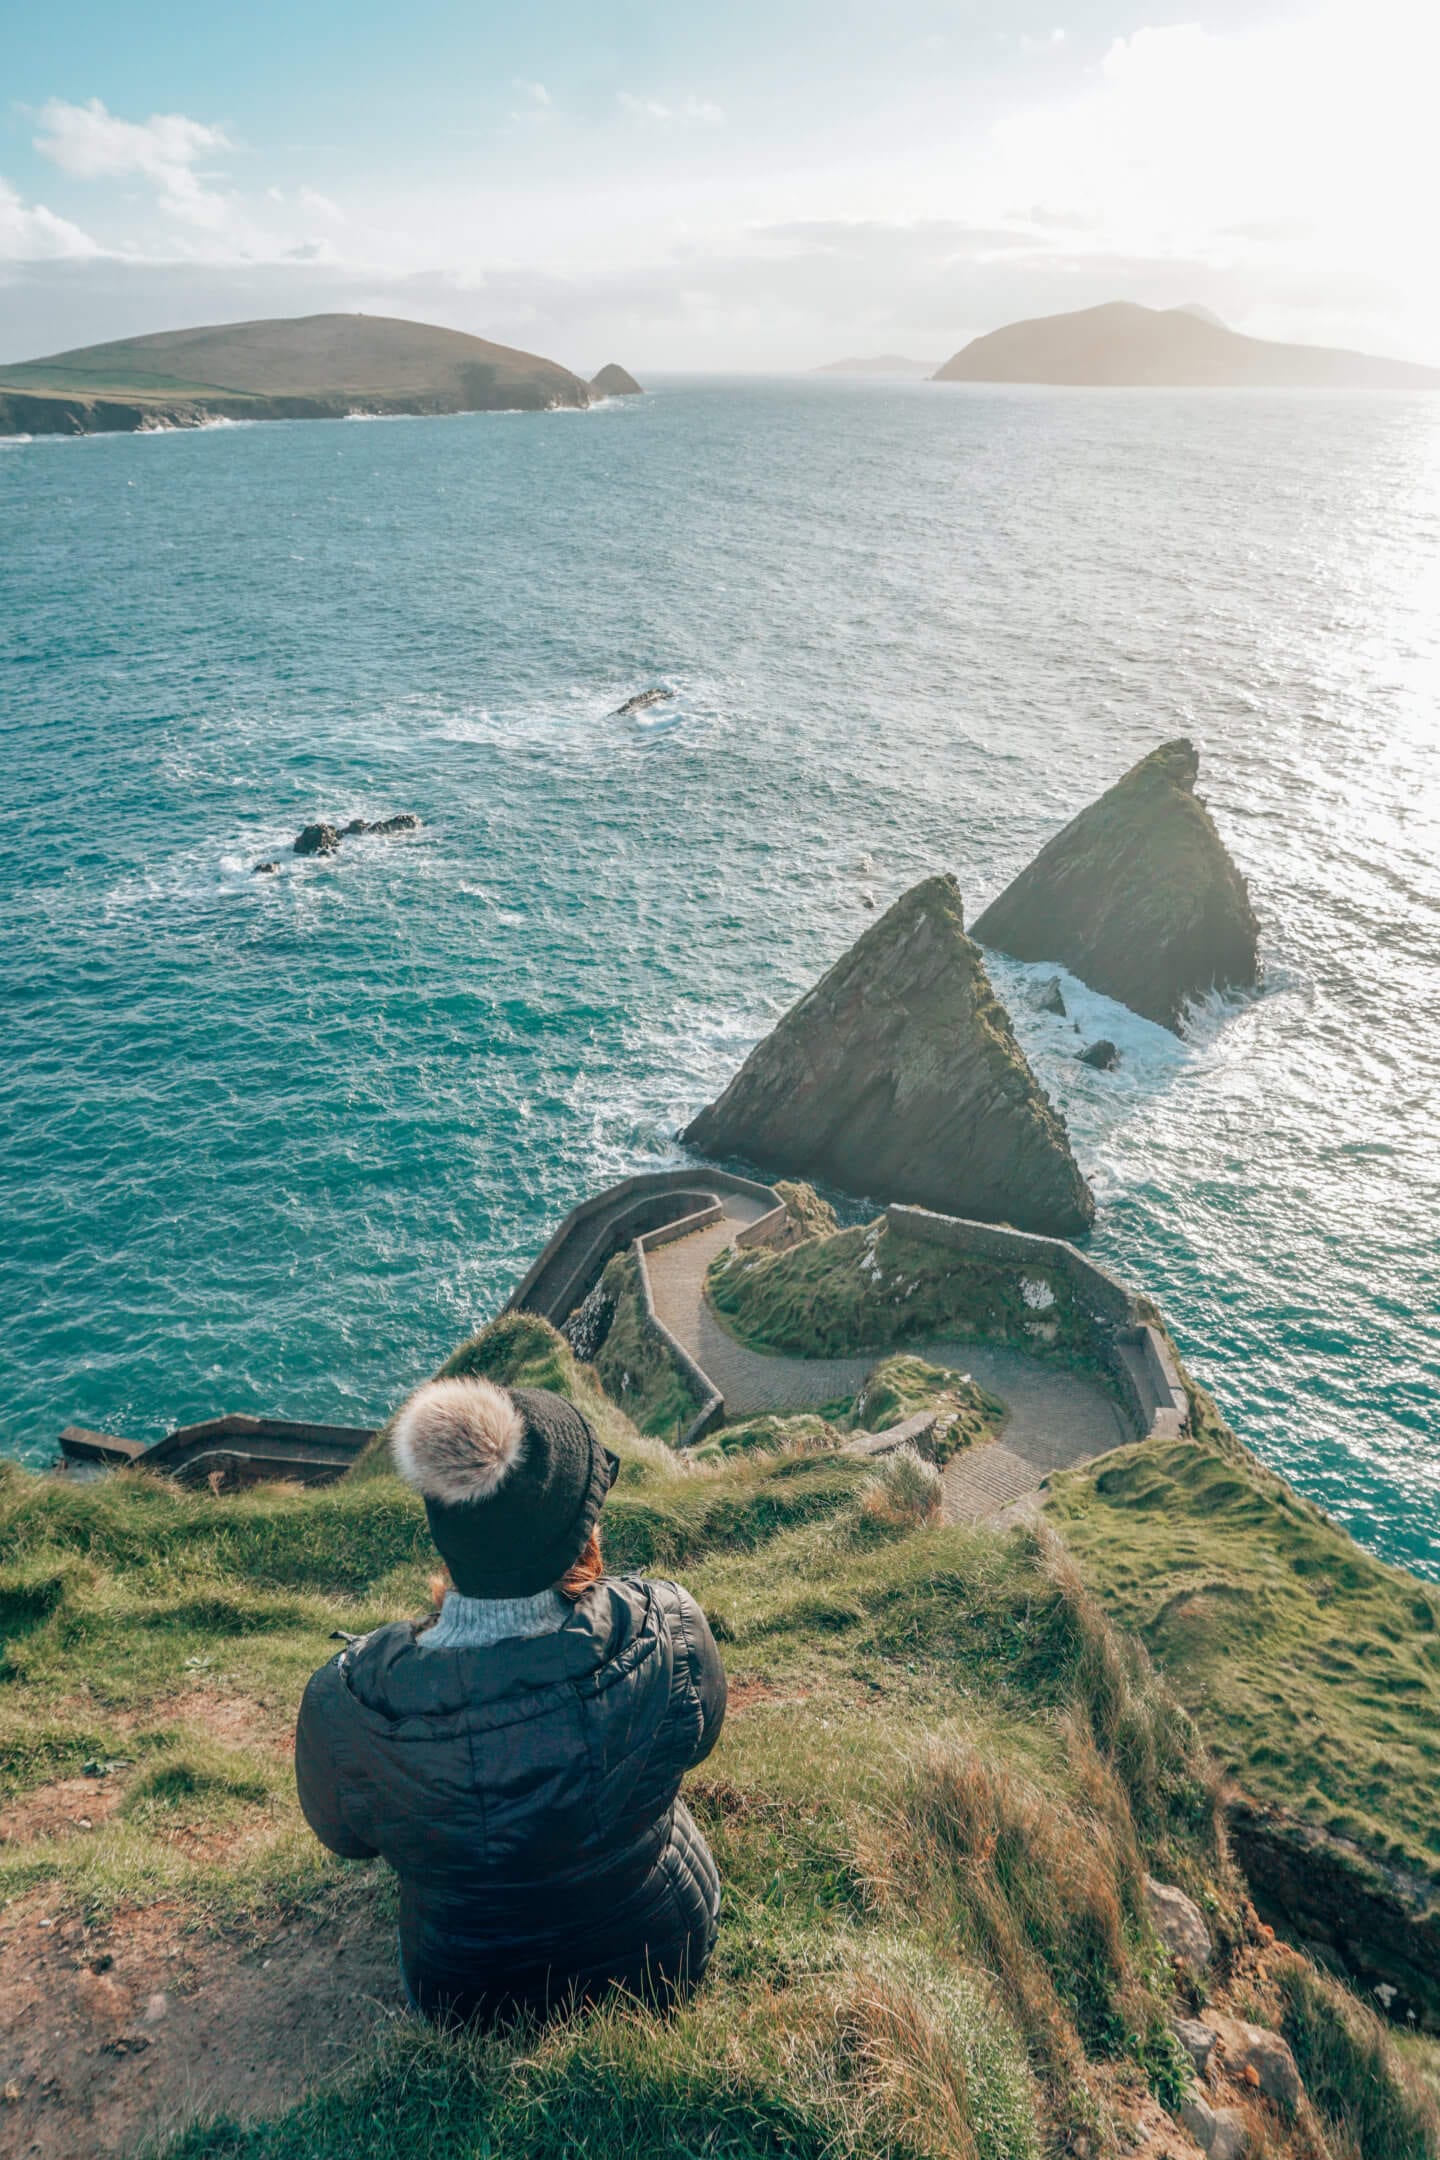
{"x": 1054, "y": 1419}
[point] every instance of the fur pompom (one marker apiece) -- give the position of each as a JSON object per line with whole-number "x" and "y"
{"x": 457, "y": 1440}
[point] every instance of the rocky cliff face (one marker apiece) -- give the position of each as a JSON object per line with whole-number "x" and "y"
{"x": 898, "y": 1076}
{"x": 1136, "y": 896}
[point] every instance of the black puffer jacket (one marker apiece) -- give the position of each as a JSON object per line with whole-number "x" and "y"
{"x": 527, "y": 1797}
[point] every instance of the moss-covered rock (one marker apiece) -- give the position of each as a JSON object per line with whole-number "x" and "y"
{"x": 899, "y": 1075}
{"x": 1137, "y": 896}
{"x": 810, "y": 1216}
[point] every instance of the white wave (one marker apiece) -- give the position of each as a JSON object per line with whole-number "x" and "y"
{"x": 654, "y": 722}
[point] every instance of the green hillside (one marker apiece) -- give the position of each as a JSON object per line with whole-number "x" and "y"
{"x": 943, "y": 1780}
{"x": 267, "y": 369}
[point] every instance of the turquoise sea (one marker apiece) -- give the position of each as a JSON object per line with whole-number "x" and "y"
{"x": 276, "y": 1143}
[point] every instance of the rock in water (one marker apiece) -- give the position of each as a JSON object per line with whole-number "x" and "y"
{"x": 641, "y": 702}
{"x": 406, "y": 821}
{"x": 318, "y": 840}
{"x": 1136, "y": 896}
{"x": 1103, "y": 1055}
{"x": 898, "y": 1076}
{"x": 616, "y": 381}
{"x": 1051, "y": 998}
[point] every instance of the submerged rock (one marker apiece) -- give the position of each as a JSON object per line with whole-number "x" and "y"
{"x": 1103, "y": 1055}
{"x": 405, "y": 821}
{"x": 899, "y": 1076}
{"x": 318, "y": 840}
{"x": 615, "y": 381}
{"x": 325, "y": 839}
{"x": 265, "y": 869}
{"x": 641, "y": 702}
{"x": 1137, "y": 896}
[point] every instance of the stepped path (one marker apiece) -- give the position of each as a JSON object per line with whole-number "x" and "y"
{"x": 1055, "y": 1419}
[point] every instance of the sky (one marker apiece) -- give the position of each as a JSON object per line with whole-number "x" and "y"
{"x": 749, "y": 186}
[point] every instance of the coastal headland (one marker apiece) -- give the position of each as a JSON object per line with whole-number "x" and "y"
{"x": 1007, "y": 1853}
{"x": 312, "y": 367}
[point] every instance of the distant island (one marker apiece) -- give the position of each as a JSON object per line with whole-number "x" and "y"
{"x": 880, "y": 364}
{"x": 1125, "y": 345}
{"x": 309, "y": 367}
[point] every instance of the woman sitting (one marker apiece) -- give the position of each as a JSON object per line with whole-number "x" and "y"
{"x": 518, "y": 1759}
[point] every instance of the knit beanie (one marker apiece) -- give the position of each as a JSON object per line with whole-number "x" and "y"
{"x": 512, "y": 1479}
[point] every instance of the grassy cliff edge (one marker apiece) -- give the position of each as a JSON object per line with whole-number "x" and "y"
{"x": 945, "y": 1778}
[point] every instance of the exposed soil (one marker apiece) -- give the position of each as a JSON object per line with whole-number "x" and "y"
{"x": 67, "y": 1807}
{"x": 112, "y": 2034}
{"x": 233, "y": 1720}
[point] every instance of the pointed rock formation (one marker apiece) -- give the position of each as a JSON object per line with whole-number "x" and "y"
{"x": 898, "y": 1077}
{"x": 615, "y": 381}
{"x": 1136, "y": 896}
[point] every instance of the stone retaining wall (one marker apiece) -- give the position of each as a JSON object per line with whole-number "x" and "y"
{"x": 574, "y": 1258}
{"x": 1133, "y": 1353}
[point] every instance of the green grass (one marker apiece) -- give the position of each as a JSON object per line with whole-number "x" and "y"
{"x": 896, "y": 1389}
{"x": 810, "y": 1216}
{"x": 901, "y": 1386}
{"x": 942, "y": 1782}
{"x": 127, "y": 382}
{"x": 1352, "y": 2073}
{"x": 1313, "y": 1667}
{"x": 871, "y": 1288}
{"x": 635, "y": 1367}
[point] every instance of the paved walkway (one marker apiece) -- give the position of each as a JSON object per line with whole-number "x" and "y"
{"x": 1054, "y": 1419}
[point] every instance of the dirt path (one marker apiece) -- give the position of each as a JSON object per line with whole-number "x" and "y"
{"x": 112, "y": 2035}
{"x": 1055, "y": 1419}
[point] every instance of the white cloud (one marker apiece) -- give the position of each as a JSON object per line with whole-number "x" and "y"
{"x": 699, "y": 112}
{"x": 536, "y": 92}
{"x": 1321, "y": 123}
{"x": 91, "y": 143}
{"x": 31, "y": 233}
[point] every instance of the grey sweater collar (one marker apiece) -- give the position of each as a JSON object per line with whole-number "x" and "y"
{"x": 469, "y": 1623}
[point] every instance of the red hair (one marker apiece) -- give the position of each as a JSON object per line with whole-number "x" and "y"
{"x": 572, "y": 1584}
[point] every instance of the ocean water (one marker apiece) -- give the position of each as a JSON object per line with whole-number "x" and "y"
{"x": 276, "y": 1143}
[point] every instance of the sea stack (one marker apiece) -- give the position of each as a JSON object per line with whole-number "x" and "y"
{"x": 899, "y": 1077}
{"x": 615, "y": 381}
{"x": 1137, "y": 896}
